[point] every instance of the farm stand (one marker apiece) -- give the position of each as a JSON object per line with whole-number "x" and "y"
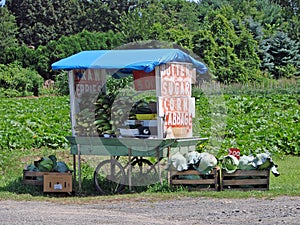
{"x": 122, "y": 123}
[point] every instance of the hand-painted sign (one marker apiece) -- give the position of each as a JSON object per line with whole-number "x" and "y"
{"x": 88, "y": 81}
{"x": 176, "y": 105}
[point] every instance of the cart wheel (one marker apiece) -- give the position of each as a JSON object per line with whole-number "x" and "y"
{"x": 143, "y": 172}
{"x": 109, "y": 177}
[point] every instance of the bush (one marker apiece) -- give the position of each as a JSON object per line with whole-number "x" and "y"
{"x": 16, "y": 81}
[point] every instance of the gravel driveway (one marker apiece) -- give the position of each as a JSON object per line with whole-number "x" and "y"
{"x": 199, "y": 210}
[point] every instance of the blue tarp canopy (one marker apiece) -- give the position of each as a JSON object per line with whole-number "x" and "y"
{"x": 132, "y": 59}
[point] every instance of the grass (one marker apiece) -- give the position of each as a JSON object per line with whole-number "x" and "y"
{"x": 287, "y": 184}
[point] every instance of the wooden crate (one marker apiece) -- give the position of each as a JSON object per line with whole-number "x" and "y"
{"x": 195, "y": 180}
{"x": 246, "y": 180}
{"x": 34, "y": 178}
{"x": 58, "y": 182}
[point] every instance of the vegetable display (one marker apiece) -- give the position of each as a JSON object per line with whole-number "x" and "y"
{"x": 48, "y": 164}
{"x": 205, "y": 162}
{"x": 262, "y": 161}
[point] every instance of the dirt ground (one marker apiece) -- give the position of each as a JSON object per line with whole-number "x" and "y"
{"x": 183, "y": 210}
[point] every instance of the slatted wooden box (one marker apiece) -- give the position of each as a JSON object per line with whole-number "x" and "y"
{"x": 193, "y": 180}
{"x": 245, "y": 180}
{"x": 34, "y": 178}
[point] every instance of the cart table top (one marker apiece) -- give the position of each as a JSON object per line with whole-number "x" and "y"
{"x": 121, "y": 146}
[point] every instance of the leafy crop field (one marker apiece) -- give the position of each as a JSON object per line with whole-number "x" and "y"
{"x": 253, "y": 119}
{"x": 254, "y": 122}
{"x": 34, "y": 122}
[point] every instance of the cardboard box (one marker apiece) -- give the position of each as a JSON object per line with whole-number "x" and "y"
{"x": 59, "y": 182}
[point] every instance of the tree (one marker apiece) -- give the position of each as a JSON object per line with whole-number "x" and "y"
{"x": 40, "y": 21}
{"x": 291, "y": 6}
{"x": 166, "y": 20}
{"x": 41, "y": 58}
{"x": 102, "y": 15}
{"x": 229, "y": 50}
{"x": 144, "y": 22}
{"x": 280, "y": 56}
{"x": 8, "y": 30}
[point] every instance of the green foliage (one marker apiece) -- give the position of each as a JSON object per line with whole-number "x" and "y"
{"x": 22, "y": 54}
{"x": 261, "y": 122}
{"x": 34, "y": 123}
{"x": 41, "y": 21}
{"x": 85, "y": 40}
{"x": 40, "y": 59}
{"x": 27, "y": 124}
{"x": 66, "y": 46}
{"x": 16, "y": 81}
{"x": 230, "y": 57}
{"x": 106, "y": 11}
{"x": 256, "y": 119}
{"x": 163, "y": 188}
{"x": 8, "y": 30}
{"x": 12, "y": 187}
{"x": 61, "y": 85}
{"x": 167, "y": 20}
{"x": 269, "y": 15}
{"x": 141, "y": 22}
{"x": 294, "y": 27}
{"x": 280, "y": 56}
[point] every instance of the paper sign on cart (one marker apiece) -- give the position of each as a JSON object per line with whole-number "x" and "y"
{"x": 143, "y": 81}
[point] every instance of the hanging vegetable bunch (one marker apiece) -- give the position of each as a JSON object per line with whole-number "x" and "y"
{"x": 102, "y": 114}
{"x": 111, "y": 106}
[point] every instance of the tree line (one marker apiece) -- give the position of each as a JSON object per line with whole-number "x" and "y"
{"x": 239, "y": 40}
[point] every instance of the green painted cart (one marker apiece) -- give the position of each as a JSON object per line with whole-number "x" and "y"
{"x": 112, "y": 175}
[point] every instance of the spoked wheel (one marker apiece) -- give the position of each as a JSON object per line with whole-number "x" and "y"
{"x": 143, "y": 172}
{"x": 109, "y": 177}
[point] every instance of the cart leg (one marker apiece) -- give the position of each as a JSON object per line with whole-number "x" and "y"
{"x": 169, "y": 172}
{"x": 74, "y": 169}
{"x": 79, "y": 169}
{"x": 158, "y": 166}
{"x": 129, "y": 169}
